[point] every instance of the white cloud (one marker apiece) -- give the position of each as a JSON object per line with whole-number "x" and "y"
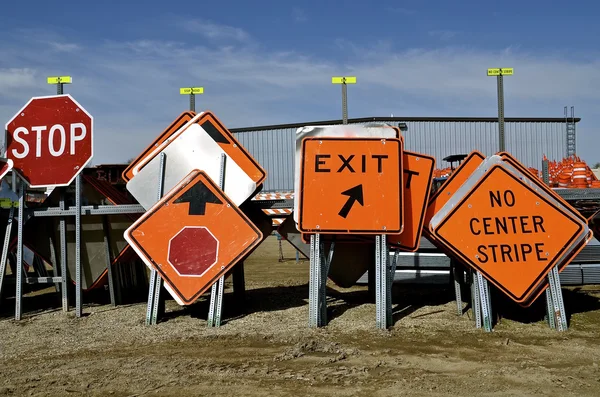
{"x": 64, "y": 47}
{"x": 216, "y": 31}
{"x": 131, "y": 87}
{"x": 16, "y": 78}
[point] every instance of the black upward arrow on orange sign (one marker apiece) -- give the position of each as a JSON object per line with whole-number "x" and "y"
{"x": 354, "y": 194}
{"x": 198, "y": 196}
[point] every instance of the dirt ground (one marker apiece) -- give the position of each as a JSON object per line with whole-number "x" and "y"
{"x": 266, "y": 348}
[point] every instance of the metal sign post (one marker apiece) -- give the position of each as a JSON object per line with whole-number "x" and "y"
{"x": 155, "y": 279}
{"x": 344, "y": 81}
{"x": 19, "y": 266}
{"x": 192, "y": 92}
{"x": 216, "y": 292}
{"x": 499, "y": 73}
{"x": 60, "y": 81}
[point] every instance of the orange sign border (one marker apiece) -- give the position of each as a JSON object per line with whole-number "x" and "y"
{"x": 172, "y": 133}
{"x": 186, "y": 183}
{"x": 527, "y": 295}
{"x": 417, "y": 241}
{"x": 450, "y": 181}
{"x": 179, "y": 122}
{"x": 351, "y": 231}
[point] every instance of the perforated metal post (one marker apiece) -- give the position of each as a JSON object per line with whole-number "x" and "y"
{"x": 150, "y": 304}
{"x": 192, "y": 102}
{"x": 501, "y": 113}
{"x": 378, "y": 320}
{"x": 550, "y": 309}
{"x": 476, "y": 299}
{"x": 63, "y": 253}
{"x": 344, "y": 103}
{"x": 483, "y": 298}
{"x": 78, "y": 302}
{"x": 314, "y": 283}
{"x": 545, "y": 172}
{"x": 344, "y": 81}
{"x": 382, "y": 274}
{"x": 557, "y": 299}
{"x": 457, "y": 287}
{"x": 155, "y": 280}
{"x": 19, "y": 266}
{"x": 216, "y": 292}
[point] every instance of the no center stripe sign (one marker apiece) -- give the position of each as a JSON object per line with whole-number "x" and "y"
{"x": 509, "y": 232}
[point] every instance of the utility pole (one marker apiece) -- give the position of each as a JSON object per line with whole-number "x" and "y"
{"x": 499, "y": 73}
{"x": 344, "y": 80}
{"x": 59, "y": 81}
{"x": 192, "y": 92}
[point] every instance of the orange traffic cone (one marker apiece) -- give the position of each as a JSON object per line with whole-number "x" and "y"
{"x": 579, "y": 175}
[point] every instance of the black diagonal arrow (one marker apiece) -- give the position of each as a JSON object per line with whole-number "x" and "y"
{"x": 354, "y": 194}
{"x": 214, "y": 133}
{"x": 198, "y": 195}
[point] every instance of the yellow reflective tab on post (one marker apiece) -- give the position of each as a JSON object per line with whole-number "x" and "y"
{"x": 60, "y": 79}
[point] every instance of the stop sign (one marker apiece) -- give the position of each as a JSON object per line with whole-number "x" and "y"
{"x": 50, "y": 140}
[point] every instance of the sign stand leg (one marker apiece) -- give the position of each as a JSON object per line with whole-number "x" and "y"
{"x": 63, "y": 253}
{"x": 212, "y": 304}
{"x": 325, "y": 262}
{"x": 315, "y": 276}
{"x": 157, "y": 289}
{"x": 280, "y": 248}
{"x": 475, "y": 296}
{"x": 239, "y": 283}
{"x": 457, "y": 287}
{"x": 54, "y": 260}
{"x": 155, "y": 283}
{"x": 216, "y": 291}
{"x": 19, "y": 266}
{"x": 5, "y": 247}
{"x": 557, "y": 299}
{"x": 381, "y": 282}
{"x": 485, "y": 304}
{"x": 151, "y": 288}
{"x": 550, "y": 309}
{"x": 392, "y": 275}
{"x": 378, "y": 281}
{"x": 111, "y": 287}
{"x": 78, "y": 303}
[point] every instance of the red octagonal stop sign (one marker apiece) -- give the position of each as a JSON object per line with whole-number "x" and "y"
{"x": 50, "y": 140}
{"x": 193, "y": 251}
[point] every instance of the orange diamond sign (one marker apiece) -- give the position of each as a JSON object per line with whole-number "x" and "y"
{"x": 509, "y": 232}
{"x": 193, "y": 236}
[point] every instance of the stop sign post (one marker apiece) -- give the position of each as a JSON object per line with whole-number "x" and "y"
{"x": 50, "y": 141}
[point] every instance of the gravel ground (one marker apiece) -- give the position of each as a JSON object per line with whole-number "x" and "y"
{"x": 265, "y": 346}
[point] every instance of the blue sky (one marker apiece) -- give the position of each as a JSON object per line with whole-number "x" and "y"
{"x": 266, "y": 62}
